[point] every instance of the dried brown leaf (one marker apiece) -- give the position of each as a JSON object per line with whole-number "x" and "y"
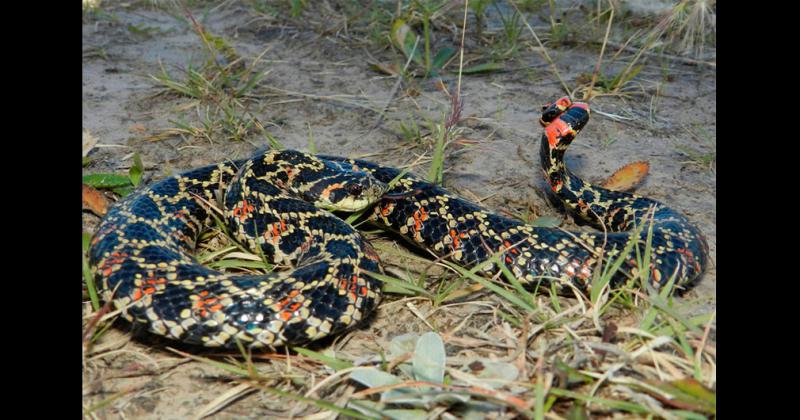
{"x": 137, "y": 129}
{"x": 628, "y": 177}
{"x": 390, "y": 69}
{"x": 94, "y": 200}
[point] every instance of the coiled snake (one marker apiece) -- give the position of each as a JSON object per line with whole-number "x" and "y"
{"x": 275, "y": 201}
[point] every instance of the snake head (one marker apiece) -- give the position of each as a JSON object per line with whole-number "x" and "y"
{"x": 349, "y": 191}
{"x": 576, "y": 114}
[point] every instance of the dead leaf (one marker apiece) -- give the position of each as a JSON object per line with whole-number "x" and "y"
{"x": 137, "y": 128}
{"x": 628, "y": 177}
{"x": 88, "y": 142}
{"x": 94, "y": 200}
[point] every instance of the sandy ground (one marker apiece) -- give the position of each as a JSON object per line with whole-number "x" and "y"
{"x": 320, "y": 85}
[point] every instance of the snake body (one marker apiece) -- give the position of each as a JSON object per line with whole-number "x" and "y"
{"x": 449, "y": 226}
{"x": 142, "y": 252}
{"x": 142, "y": 248}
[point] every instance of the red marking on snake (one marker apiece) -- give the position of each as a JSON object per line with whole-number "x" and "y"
{"x": 276, "y": 230}
{"x": 274, "y": 233}
{"x": 455, "y": 235}
{"x": 510, "y": 248}
{"x": 557, "y": 130}
{"x": 689, "y": 255}
{"x": 387, "y": 209}
{"x": 557, "y": 186}
{"x": 106, "y": 266}
{"x": 202, "y": 305}
{"x": 152, "y": 281}
{"x": 584, "y": 272}
{"x": 419, "y": 216}
{"x": 181, "y": 213}
{"x": 570, "y": 270}
{"x": 285, "y": 301}
{"x": 242, "y": 211}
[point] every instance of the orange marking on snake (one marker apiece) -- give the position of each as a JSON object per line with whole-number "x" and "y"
{"x": 419, "y": 216}
{"x": 285, "y": 301}
{"x": 454, "y": 235}
{"x": 557, "y": 186}
{"x": 276, "y": 231}
{"x": 555, "y": 131}
{"x": 510, "y": 249}
{"x": 585, "y": 272}
{"x": 563, "y": 102}
{"x": 387, "y": 209}
{"x": 327, "y": 191}
{"x": 689, "y": 254}
{"x": 242, "y": 211}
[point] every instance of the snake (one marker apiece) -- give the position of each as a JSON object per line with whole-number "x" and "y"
{"x": 280, "y": 204}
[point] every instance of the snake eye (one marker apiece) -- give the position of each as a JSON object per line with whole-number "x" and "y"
{"x": 355, "y": 189}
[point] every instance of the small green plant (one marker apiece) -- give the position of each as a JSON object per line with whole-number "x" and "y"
{"x": 704, "y": 159}
{"x": 410, "y": 131}
{"x": 607, "y": 141}
{"x": 420, "y": 50}
{"x": 296, "y": 7}
{"x": 479, "y": 10}
{"x": 512, "y": 29}
{"x": 221, "y": 88}
{"x": 422, "y": 383}
{"x": 120, "y": 184}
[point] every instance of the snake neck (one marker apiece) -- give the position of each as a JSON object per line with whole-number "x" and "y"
{"x": 607, "y": 210}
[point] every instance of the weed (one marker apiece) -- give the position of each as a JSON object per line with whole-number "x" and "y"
{"x": 221, "y": 86}
{"x": 704, "y": 159}
{"x": 512, "y": 31}
{"x": 479, "y": 11}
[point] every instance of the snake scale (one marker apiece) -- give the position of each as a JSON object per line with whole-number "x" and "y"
{"x": 277, "y": 203}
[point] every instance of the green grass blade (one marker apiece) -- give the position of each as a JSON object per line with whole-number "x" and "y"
{"x": 332, "y": 362}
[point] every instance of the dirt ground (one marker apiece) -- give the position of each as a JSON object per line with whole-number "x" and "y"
{"x": 320, "y": 85}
